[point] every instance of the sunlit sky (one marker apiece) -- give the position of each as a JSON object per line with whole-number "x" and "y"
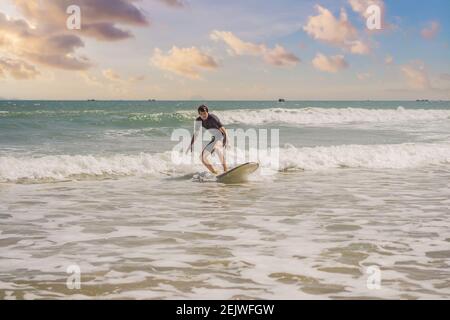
{"x": 225, "y": 50}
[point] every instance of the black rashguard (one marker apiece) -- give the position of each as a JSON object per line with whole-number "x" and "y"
{"x": 212, "y": 122}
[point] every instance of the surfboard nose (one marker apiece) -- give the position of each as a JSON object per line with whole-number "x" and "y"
{"x": 238, "y": 174}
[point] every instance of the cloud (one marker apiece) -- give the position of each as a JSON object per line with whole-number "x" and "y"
{"x": 54, "y": 50}
{"x": 135, "y": 79}
{"x": 90, "y": 79}
{"x": 389, "y": 60}
{"x": 111, "y": 75}
{"x": 364, "y": 76}
{"x": 431, "y": 30}
{"x": 340, "y": 32}
{"x": 358, "y": 47}
{"x": 114, "y": 76}
{"x": 18, "y": 69}
{"x": 99, "y": 17}
{"x": 41, "y": 37}
{"x": 112, "y": 81}
{"x": 174, "y": 3}
{"x": 331, "y": 64}
{"x": 360, "y": 6}
{"x": 105, "y": 32}
{"x": 187, "y": 62}
{"x": 236, "y": 45}
{"x": 277, "y": 56}
{"x": 416, "y": 75}
{"x": 280, "y": 57}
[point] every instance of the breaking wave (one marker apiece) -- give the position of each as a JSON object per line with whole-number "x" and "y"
{"x": 302, "y": 116}
{"x": 313, "y": 116}
{"x": 67, "y": 167}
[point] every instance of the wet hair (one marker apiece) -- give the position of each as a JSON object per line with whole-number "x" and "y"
{"x": 203, "y": 108}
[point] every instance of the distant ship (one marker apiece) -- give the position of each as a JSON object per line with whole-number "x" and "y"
{"x": 281, "y": 100}
{"x": 91, "y": 100}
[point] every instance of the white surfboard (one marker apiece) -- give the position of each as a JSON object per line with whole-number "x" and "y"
{"x": 239, "y": 173}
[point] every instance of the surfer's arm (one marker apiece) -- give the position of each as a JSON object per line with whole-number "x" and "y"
{"x": 192, "y": 142}
{"x": 194, "y": 136}
{"x": 225, "y": 136}
{"x": 197, "y": 127}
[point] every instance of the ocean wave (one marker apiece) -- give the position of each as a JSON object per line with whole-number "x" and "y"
{"x": 317, "y": 116}
{"x": 303, "y": 116}
{"x": 67, "y": 167}
{"x": 394, "y": 156}
{"x": 52, "y": 113}
{"x": 300, "y": 116}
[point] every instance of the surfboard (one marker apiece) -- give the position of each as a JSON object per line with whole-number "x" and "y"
{"x": 239, "y": 173}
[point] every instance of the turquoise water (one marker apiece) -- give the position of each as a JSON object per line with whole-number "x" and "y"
{"x": 80, "y": 127}
{"x": 93, "y": 184}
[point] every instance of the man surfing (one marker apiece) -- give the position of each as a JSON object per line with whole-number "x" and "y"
{"x": 218, "y": 142}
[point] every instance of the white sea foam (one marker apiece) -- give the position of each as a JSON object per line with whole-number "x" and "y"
{"x": 306, "y": 116}
{"x": 66, "y": 166}
{"x": 400, "y": 156}
{"x": 313, "y": 116}
{"x": 397, "y": 156}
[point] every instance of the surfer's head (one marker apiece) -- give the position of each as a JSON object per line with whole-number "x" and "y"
{"x": 203, "y": 112}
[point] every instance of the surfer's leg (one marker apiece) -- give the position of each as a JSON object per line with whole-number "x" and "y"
{"x": 204, "y": 157}
{"x": 221, "y": 153}
{"x": 207, "y": 164}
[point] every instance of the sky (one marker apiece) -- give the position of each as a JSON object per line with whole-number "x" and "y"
{"x": 224, "y": 50}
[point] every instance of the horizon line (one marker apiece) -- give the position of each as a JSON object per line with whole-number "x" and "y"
{"x": 231, "y": 100}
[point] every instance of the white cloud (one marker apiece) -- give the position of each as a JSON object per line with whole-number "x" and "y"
{"x": 236, "y": 45}
{"x": 358, "y": 47}
{"x": 90, "y": 79}
{"x": 277, "y": 56}
{"x": 416, "y": 75}
{"x": 331, "y": 64}
{"x": 431, "y": 30}
{"x": 18, "y": 69}
{"x": 389, "y": 60}
{"x": 111, "y": 75}
{"x": 360, "y": 6}
{"x": 187, "y": 62}
{"x": 174, "y": 3}
{"x": 340, "y": 32}
{"x": 280, "y": 57}
{"x": 364, "y": 76}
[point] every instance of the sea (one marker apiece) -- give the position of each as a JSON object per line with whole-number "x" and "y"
{"x": 93, "y": 205}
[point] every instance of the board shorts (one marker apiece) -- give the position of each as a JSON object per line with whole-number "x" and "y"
{"x": 216, "y": 140}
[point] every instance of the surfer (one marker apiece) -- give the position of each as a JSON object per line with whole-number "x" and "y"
{"x": 218, "y": 142}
